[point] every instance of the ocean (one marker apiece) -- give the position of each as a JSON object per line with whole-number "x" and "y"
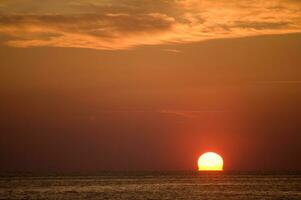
{"x": 154, "y": 185}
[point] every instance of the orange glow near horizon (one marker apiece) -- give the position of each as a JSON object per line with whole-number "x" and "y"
{"x": 210, "y": 161}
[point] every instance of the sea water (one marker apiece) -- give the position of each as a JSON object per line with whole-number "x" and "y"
{"x": 154, "y": 185}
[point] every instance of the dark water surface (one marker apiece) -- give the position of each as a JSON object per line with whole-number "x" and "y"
{"x": 154, "y": 185}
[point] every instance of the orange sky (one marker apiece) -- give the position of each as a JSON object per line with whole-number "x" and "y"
{"x": 97, "y": 85}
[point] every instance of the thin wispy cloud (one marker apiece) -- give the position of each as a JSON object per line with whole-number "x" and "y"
{"x": 113, "y": 25}
{"x": 189, "y": 113}
{"x": 279, "y": 82}
{"x": 173, "y": 50}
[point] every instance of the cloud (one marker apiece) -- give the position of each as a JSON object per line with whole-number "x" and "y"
{"x": 99, "y": 31}
{"x": 189, "y": 113}
{"x": 123, "y": 24}
{"x": 172, "y": 50}
{"x": 279, "y": 82}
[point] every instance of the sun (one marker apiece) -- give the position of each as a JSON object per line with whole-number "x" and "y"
{"x": 210, "y": 161}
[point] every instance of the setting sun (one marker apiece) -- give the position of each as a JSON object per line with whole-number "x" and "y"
{"x": 210, "y": 161}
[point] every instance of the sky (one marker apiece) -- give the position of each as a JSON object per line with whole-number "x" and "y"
{"x": 149, "y": 85}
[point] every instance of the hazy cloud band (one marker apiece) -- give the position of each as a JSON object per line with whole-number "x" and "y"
{"x": 112, "y": 24}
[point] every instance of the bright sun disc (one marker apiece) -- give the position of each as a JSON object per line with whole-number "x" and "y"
{"x": 210, "y": 161}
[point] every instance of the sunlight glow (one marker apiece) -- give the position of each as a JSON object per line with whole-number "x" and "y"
{"x": 210, "y": 161}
